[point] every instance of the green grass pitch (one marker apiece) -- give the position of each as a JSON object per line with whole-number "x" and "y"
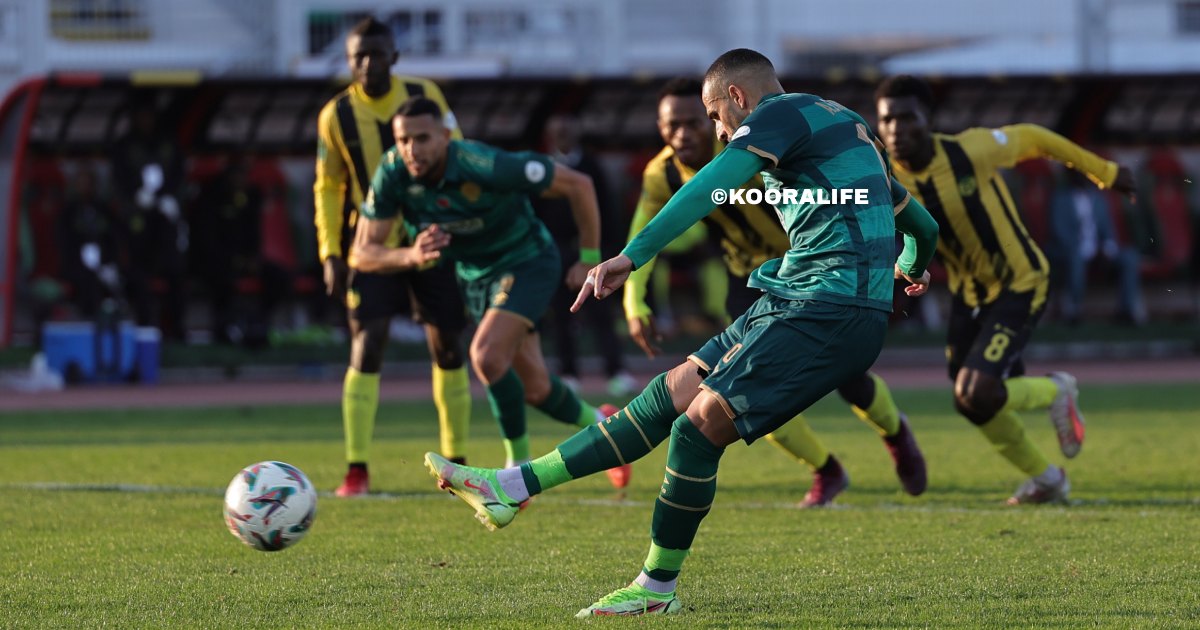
{"x": 77, "y": 552}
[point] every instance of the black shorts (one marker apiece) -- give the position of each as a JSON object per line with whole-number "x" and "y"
{"x": 740, "y": 297}
{"x": 991, "y": 338}
{"x": 431, "y": 296}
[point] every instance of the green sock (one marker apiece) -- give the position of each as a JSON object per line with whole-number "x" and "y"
{"x": 1029, "y": 393}
{"x": 660, "y": 561}
{"x": 507, "y": 398}
{"x": 623, "y": 438}
{"x": 685, "y": 499}
{"x": 1007, "y": 433}
{"x": 563, "y": 405}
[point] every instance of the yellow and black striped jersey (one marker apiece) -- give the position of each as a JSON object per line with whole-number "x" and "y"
{"x": 749, "y": 234}
{"x": 353, "y": 132}
{"x": 984, "y": 244}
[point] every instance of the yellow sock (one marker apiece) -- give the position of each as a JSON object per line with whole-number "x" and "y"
{"x": 797, "y": 439}
{"x": 714, "y": 287}
{"x": 360, "y": 401}
{"x": 1007, "y": 433}
{"x": 1029, "y": 393}
{"x": 883, "y": 414}
{"x": 452, "y": 397}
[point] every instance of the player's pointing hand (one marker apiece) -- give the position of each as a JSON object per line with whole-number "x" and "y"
{"x": 604, "y": 280}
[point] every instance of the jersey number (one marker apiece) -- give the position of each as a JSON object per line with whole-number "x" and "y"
{"x": 996, "y": 347}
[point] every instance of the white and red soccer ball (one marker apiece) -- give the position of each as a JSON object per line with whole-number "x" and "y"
{"x": 270, "y": 505}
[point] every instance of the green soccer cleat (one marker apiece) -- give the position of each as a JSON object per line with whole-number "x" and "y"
{"x": 632, "y": 600}
{"x": 478, "y": 487}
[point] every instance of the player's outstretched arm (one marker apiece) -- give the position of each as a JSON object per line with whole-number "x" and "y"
{"x": 696, "y": 200}
{"x": 369, "y": 252}
{"x": 603, "y": 280}
{"x": 580, "y": 193}
{"x": 1017, "y": 143}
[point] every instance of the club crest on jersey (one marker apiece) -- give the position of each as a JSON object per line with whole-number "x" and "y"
{"x": 967, "y": 186}
{"x": 443, "y": 203}
{"x": 535, "y": 171}
{"x": 741, "y": 131}
{"x": 471, "y": 191}
{"x": 504, "y": 286}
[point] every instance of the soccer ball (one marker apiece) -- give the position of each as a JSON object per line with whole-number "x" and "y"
{"x": 270, "y": 505}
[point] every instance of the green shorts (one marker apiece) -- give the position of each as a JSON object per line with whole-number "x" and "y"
{"x": 525, "y": 289}
{"x": 781, "y": 356}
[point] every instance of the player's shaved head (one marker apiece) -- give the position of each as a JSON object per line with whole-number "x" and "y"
{"x": 733, "y": 86}
{"x": 740, "y": 65}
{"x": 420, "y": 106}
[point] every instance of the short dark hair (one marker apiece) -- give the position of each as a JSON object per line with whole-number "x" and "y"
{"x": 902, "y": 85}
{"x": 681, "y": 86}
{"x": 737, "y": 61}
{"x": 419, "y": 106}
{"x": 371, "y": 27}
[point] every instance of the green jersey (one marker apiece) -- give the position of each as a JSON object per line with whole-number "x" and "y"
{"x": 482, "y": 201}
{"x": 842, "y": 251}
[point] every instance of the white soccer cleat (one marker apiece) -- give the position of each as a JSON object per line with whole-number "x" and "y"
{"x": 1033, "y": 492}
{"x": 1065, "y": 415}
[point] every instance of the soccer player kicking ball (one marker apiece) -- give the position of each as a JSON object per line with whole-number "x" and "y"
{"x": 998, "y": 275}
{"x": 821, "y": 320}
{"x": 750, "y": 234}
{"x": 470, "y": 204}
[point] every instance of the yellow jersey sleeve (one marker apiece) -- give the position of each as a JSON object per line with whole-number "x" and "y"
{"x": 329, "y": 190}
{"x": 655, "y": 194}
{"x": 1012, "y": 144}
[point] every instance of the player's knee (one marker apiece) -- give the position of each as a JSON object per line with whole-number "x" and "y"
{"x": 683, "y": 383}
{"x": 537, "y": 390}
{"x": 489, "y": 364}
{"x": 979, "y": 399}
{"x": 858, "y": 391}
{"x": 445, "y": 347}
{"x": 366, "y": 349}
{"x": 710, "y": 415}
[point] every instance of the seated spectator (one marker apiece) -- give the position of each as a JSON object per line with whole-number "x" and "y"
{"x": 1082, "y": 237}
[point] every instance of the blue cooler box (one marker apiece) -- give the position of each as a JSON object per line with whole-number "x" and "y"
{"x": 149, "y": 343}
{"x": 78, "y": 349}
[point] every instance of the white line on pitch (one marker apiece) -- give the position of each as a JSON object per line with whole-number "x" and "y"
{"x": 1075, "y": 507}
